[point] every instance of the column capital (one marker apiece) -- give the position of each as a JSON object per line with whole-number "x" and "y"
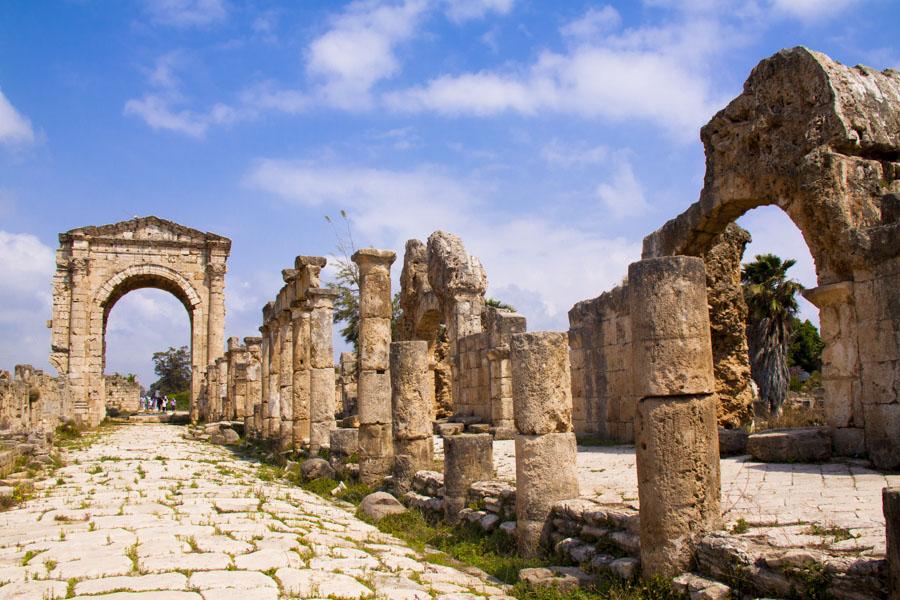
{"x": 322, "y": 297}
{"x": 367, "y": 258}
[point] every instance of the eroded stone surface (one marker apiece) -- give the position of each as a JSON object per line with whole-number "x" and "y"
{"x": 143, "y": 513}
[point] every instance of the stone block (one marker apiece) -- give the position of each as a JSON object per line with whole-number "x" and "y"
{"x": 671, "y": 333}
{"x": 375, "y": 296}
{"x": 545, "y": 473}
{"x": 411, "y": 403}
{"x": 374, "y": 397}
{"x": 542, "y": 389}
{"x": 374, "y": 341}
{"x": 375, "y": 440}
{"x": 848, "y": 441}
{"x": 467, "y": 458}
{"x": 321, "y": 402}
{"x": 344, "y": 441}
{"x": 803, "y": 445}
{"x": 883, "y": 435}
{"x": 732, "y": 442}
{"x": 378, "y": 505}
{"x": 410, "y": 457}
{"x": 448, "y": 429}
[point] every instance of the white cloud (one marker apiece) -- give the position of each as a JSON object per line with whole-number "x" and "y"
{"x": 359, "y": 50}
{"x": 187, "y": 13}
{"x": 158, "y": 112}
{"x": 811, "y": 10}
{"x": 556, "y": 263}
{"x": 14, "y": 128}
{"x": 464, "y": 10}
{"x": 26, "y": 269}
{"x": 592, "y": 23}
{"x": 623, "y": 196}
{"x": 590, "y": 81}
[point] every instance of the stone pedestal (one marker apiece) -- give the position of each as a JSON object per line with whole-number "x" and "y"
{"x": 374, "y": 385}
{"x": 676, "y": 430}
{"x": 411, "y": 412}
{"x": 467, "y": 458}
{"x": 545, "y": 445}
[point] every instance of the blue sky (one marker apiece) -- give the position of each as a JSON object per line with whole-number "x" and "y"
{"x": 551, "y": 136}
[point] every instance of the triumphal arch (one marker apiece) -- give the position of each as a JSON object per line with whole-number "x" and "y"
{"x": 96, "y": 266}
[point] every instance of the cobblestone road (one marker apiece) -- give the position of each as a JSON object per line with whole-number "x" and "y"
{"x": 145, "y": 514}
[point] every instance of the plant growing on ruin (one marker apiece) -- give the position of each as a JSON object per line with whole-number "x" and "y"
{"x": 772, "y": 307}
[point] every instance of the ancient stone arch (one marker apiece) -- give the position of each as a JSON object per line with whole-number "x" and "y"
{"x": 821, "y": 141}
{"x": 97, "y": 266}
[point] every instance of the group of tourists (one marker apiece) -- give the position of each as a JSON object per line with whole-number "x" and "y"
{"x": 157, "y": 402}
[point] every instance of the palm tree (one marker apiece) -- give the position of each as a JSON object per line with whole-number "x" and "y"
{"x": 772, "y": 306}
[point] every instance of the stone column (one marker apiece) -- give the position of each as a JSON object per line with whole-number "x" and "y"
{"x": 212, "y": 392}
{"x": 348, "y": 384}
{"x": 233, "y": 349}
{"x": 222, "y": 393}
{"x": 502, "y": 415}
{"x": 546, "y": 450}
{"x": 467, "y": 458}
{"x": 286, "y": 381}
{"x": 259, "y": 416}
{"x": 411, "y": 412}
{"x": 273, "y": 415}
{"x": 321, "y": 362}
{"x": 890, "y": 498}
{"x": 373, "y": 383}
{"x": 300, "y": 391}
{"x": 253, "y": 396}
{"x": 215, "y": 331}
{"x": 676, "y": 433}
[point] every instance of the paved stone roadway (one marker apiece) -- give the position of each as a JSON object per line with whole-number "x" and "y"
{"x": 149, "y": 515}
{"x": 772, "y": 498}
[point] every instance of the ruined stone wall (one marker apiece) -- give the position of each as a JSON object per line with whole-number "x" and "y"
{"x": 600, "y": 356}
{"x": 122, "y": 393}
{"x": 31, "y": 400}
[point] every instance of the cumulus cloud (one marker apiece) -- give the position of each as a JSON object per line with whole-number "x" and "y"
{"x": 358, "y": 50}
{"x": 187, "y": 13}
{"x": 26, "y": 269}
{"x": 559, "y": 154}
{"x": 14, "y": 128}
{"x": 555, "y": 263}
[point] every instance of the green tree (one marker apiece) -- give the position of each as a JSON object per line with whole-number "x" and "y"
{"x": 173, "y": 366}
{"x": 805, "y": 350}
{"x": 772, "y": 303}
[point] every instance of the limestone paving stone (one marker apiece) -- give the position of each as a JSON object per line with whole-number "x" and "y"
{"x": 204, "y": 512}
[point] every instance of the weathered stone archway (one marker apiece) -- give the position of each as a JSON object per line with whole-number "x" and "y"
{"x": 96, "y": 266}
{"x": 822, "y": 142}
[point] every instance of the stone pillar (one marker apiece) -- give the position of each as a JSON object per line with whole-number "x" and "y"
{"x": 546, "y": 450}
{"x": 300, "y": 391}
{"x": 215, "y": 345}
{"x": 676, "y": 430}
{"x": 890, "y": 498}
{"x": 468, "y": 458}
{"x": 348, "y": 384}
{"x": 232, "y": 352}
{"x": 273, "y": 414}
{"x": 411, "y": 412}
{"x": 373, "y": 383}
{"x": 502, "y": 415}
{"x": 253, "y": 396}
{"x": 222, "y": 393}
{"x": 212, "y": 392}
{"x": 259, "y": 416}
{"x": 286, "y": 381}
{"x": 321, "y": 362}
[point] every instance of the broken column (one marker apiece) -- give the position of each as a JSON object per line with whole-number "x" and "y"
{"x": 374, "y": 385}
{"x": 468, "y": 457}
{"x": 675, "y": 428}
{"x": 321, "y": 363}
{"x": 222, "y": 385}
{"x": 286, "y": 381}
{"x": 546, "y": 450}
{"x": 411, "y": 406}
{"x": 300, "y": 389}
{"x": 273, "y": 411}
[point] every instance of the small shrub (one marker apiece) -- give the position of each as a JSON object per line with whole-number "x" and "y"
{"x": 741, "y": 526}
